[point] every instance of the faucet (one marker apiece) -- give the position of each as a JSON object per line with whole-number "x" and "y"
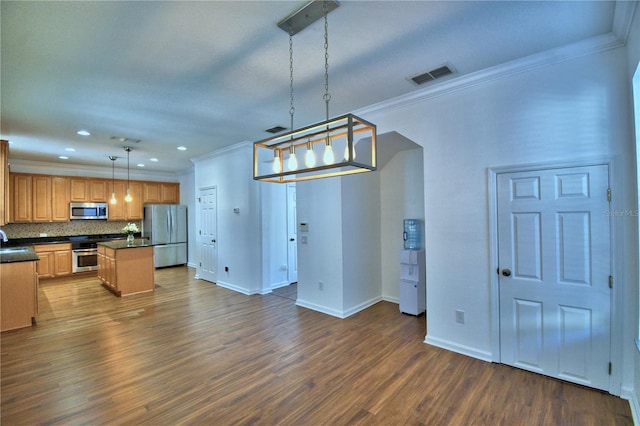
{"x": 4, "y": 236}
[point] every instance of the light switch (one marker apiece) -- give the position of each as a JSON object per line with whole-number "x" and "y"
{"x": 303, "y": 239}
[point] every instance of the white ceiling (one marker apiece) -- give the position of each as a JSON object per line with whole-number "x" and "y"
{"x": 207, "y": 74}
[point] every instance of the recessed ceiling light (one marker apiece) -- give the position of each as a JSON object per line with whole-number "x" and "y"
{"x": 182, "y": 148}
{"x": 155, "y": 160}
{"x": 63, "y": 157}
{"x": 70, "y": 149}
{"x": 140, "y": 165}
{"x": 83, "y": 133}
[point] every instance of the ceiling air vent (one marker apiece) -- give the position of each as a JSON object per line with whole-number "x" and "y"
{"x": 432, "y": 74}
{"x": 276, "y": 129}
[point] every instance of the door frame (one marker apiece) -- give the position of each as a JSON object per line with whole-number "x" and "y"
{"x": 199, "y": 227}
{"x": 616, "y": 348}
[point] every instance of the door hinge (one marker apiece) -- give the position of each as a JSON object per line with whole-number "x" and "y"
{"x": 610, "y": 281}
{"x": 609, "y": 194}
{"x": 610, "y": 368}
{"x": 200, "y": 232}
{"x": 198, "y": 199}
{"x": 200, "y": 264}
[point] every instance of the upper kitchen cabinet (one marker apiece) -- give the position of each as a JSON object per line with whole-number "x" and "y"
{"x": 123, "y": 210}
{"x": 4, "y": 182}
{"x": 88, "y": 190}
{"x": 39, "y": 198}
{"x": 21, "y": 198}
{"x": 161, "y": 193}
{"x": 59, "y": 199}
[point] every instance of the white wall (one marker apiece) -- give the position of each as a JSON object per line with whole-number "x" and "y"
{"x": 274, "y": 235}
{"x": 320, "y": 259}
{"x": 577, "y": 108}
{"x": 401, "y": 197}
{"x": 239, "y": 235}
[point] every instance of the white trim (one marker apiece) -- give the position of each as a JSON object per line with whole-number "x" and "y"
{"x": 222, "y": 151}
{"x": 623, "y": 18}
{"x": 553, "y": 56}
{"x": 278, "y": 285}
{"x": 634, "y": 405}
{"x": 390, "y": 299}
{"x": 238, "y": 289}
{"x": 616, "y": 349}
{"x": 461, "y": 349}
{"x": 361, "y": 307}
{"x": 319, "y": 308}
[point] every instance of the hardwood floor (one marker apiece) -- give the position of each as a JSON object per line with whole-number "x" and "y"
{"x": 195, "y": 353}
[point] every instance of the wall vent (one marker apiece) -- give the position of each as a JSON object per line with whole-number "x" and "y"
{"x": 276, "y": 129}
{"x": 433, "y": 74}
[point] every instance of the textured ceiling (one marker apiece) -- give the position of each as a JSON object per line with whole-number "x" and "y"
{"x": 208, "y": 74}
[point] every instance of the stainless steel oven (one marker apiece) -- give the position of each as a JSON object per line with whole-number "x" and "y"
{"x": 84, "y": 255}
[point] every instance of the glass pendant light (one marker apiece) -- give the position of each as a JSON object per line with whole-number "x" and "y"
{"x": 310, "y": 157}
{"x": 293, "y": 161}
{"x": 277, "y": 166}
{"x": 113, "y": 179}
{"x": 328, "y": 157}
{"x": 128, "y": 197}
{"x": 346, "y": 153}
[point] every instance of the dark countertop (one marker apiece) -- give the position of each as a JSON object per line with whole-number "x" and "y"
{"x": 26, "y": 255}
{"x": 122, "y": 244}
{"x": 21, "y": 242}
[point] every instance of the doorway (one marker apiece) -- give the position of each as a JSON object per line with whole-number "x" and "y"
{"x": 554, "y": 264}
{"x": 207, "y": 234}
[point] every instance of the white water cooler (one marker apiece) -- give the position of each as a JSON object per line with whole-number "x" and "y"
{"x": 413, "y": 298}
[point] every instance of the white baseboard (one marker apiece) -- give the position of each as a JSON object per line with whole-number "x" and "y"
{"x": 395, "y": 300}
{"x": 461, "y": 349}
{"x": 634, "y": 404}
{"x": 236, "y": 288}
{"x": 319, "y": 308}
{"x": 361, "y": 307}
{"x": 278, "y": 285}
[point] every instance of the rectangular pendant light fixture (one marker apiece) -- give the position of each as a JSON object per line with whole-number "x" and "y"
{"x": 340, "y": 146}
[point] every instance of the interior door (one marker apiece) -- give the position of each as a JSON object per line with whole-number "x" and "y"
{"x": 207, "y": 235}
{"x": 554, "y": 265}
{"x": 292, "y": 234}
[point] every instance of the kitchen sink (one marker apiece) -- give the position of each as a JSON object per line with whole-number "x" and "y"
{"x": 14, "y": 250}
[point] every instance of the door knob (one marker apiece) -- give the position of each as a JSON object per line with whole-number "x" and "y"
{"x": 213, "y": 241}
{"x": 506, "y": 272}
{"x": 292, "y": 239}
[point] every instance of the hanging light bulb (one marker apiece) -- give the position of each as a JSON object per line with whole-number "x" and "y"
{"x": 328, "y": 157}
{"x": 128, "y": 197}
{"x": 310, "y": 156}
{"x": 293, "y": 161}
{"x": 113, "y": 179}
{"x": 346, "y": 153}
{"x": 277, "y": 166}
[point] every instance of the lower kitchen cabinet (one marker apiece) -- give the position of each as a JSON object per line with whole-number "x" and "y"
{"x": 126, "y": 269}
{"x": 55, "y": 260}
{"x": 18, "y": 295}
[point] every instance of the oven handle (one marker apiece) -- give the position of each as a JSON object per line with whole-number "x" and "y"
{"x": 84, "y": 250}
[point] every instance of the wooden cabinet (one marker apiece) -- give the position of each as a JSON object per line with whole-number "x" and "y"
{"x": 39, "y": 198}
{"x": 18, "y": 295}
{"x": 59, "y": 199}
{"x": 55, "y": 260}
{"x": 21, "y": 198}
{"x": 127, "y": 270}
{"x": 5, "y": 202}
{"x": 89, "y": 190}
{"x": 161, "y": 192}
{"x": 123, "y": 210}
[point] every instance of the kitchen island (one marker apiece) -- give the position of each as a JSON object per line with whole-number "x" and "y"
{"x": 18, "y": 287}
{"x": 126, "y": 268}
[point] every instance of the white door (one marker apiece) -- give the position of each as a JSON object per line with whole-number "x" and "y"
{"x": 292, "y": 234}
{"x": 207, "y": 235}
{"x": 554, "y": 265}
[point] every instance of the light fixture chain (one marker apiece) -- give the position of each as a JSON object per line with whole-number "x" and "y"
{"x": 292, "y": 110}
{"x": 327, "y": 96}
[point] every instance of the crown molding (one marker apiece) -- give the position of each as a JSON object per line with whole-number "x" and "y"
{"x": 47, "y": 168}
{"x": 222, "y": 151}
{"x": 623, "y": 18}
{"x": 553, "y": 56}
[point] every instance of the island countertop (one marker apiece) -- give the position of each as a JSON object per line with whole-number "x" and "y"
{"x": 123, "y": 244}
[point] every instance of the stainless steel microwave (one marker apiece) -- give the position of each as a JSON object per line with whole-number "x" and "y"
{"x": 88, "y": 211}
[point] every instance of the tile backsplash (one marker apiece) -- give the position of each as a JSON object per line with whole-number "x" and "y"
{"x": 57, "y": 229}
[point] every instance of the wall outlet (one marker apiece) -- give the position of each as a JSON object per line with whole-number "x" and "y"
{"x": 43, "y": 234}
{"x": 320, "y": 285}
{"x": 459, "y": 316}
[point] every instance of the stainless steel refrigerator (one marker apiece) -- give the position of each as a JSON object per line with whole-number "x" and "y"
{"x": 165, "y": 225}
